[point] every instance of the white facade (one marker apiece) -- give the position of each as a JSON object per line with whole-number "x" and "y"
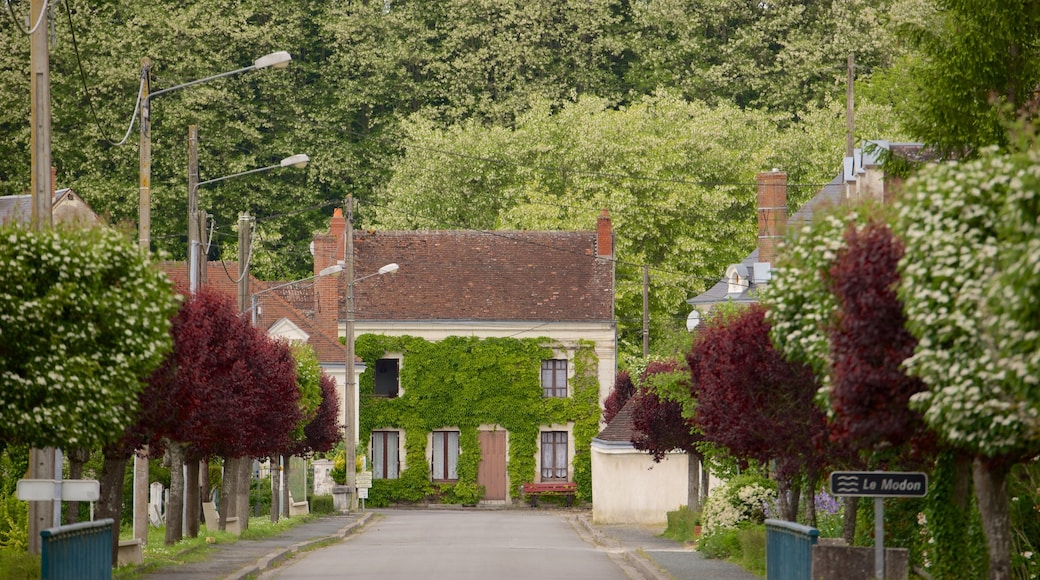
{"x": 629, "y": 488}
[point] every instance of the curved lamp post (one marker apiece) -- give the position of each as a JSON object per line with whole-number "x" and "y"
{"x": 297, "y": 161}
{"x": 144, "y": 225}
{"x": 350, "y": 388}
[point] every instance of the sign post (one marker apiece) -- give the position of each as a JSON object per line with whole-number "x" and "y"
{"x": 879, "y": 485}
{"x": 363, "y": 483}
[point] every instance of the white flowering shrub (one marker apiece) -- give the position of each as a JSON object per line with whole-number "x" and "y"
{"x": 799, "y": 306}
{"x": 971, "y": 282}
{"x": 84, "y": 320}
{"x": 745, "y": 498}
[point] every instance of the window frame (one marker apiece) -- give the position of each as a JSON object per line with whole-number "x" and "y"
{"x": 397, "y": 378}
{"x": 381, "y": 467}
{"x": 442, "y": 461}
{"x": 554, "y": 448}
{"x": 556, "y": 368}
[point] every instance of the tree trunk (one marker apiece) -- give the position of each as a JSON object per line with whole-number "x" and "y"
{"x": 705, "y": 480}
{"x": 848, "y": 530}
{"x": 991, "y": 493}
{"x": 788, "y": 495}
{"x": 276, "y": 510}
{"x": 77, "y": 457}
{"x": 693, "y": 478}
{"x": 111, "y": 501}
{"x": 191, "y": 499}
{"x": 228, "y": 496}
{"x": 204, "y": 483}
{"x": 285, "y": 486}
{"x": 810, "y": 498}
{"x": 245, "y": 479}
{"x": 175, "y": 508}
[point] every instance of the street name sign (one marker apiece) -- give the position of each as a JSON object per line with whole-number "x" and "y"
{"x": 65, "y": 490}
{"x": 879, "y": 483}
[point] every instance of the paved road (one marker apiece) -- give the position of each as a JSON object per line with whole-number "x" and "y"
{"x": 454, "y": 545}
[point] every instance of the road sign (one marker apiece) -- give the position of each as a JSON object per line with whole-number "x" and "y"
{"x": 363, "y": 480}
{"x": 65, "y": 490}
{"x": 879, "y": 483}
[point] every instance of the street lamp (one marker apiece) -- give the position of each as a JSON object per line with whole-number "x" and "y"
{"x": 349, "y": 412}
{"x": 254, "y": 306}
{"x": 297, "y": 161}
{"x": 274, "y": 60}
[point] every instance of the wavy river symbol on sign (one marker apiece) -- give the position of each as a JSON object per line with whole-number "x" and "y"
{"x": 846, "y": 483}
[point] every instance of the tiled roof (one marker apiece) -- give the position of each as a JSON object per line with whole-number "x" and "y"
{"x": 472, "y": 275}
{"x": 621, "y": 429}
{"x": 15, "y": 209}
{"x": 222, "y": 277}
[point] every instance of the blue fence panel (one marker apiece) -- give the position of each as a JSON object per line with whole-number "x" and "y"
{"x": 77, "y": 551}
{"x": 789, "y": 550}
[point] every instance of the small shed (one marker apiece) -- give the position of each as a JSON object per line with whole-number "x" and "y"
{"x": 627, "y": 486}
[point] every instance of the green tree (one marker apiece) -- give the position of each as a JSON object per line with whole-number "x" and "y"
{"x": 84, "y": 320}
{"x": 677, "y": 178}
{"x": 974, "y": 66}
{"x": 969, "y": 288}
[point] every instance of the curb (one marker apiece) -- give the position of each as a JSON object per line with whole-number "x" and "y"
{"x": 641, "y": 564}
{"x": 282, "y": 554}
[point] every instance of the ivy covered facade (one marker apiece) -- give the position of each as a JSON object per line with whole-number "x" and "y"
{"x": 482, "y": 364}
{"x": 457, "y": 396}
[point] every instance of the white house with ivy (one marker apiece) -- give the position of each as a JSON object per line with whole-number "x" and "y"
{"x": 482, "y": 363}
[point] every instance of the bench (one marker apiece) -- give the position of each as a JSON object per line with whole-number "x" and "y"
{"x": 556, "y": 488}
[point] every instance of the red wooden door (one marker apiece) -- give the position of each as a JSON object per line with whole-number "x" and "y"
{"x": 492, "y": 471}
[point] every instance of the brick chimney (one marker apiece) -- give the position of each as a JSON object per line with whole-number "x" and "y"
{"x": 328, "y": 250}
{"x": 772, "y": 213}
{"x": 604, "y": 235}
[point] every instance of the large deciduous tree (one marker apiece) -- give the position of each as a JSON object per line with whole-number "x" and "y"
{"x": 972, "y": 236}
{"x": 84, "y": 320}
{"x": 757, "y": 404}
{"x": 975, "y": 65}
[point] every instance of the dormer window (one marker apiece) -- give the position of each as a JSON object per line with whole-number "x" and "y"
{"x": 737, "y": 280}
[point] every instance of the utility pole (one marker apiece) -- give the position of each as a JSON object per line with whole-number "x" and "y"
{"x": 140, "y": 490}
{"x": 144, "y": 173}
{"x": 646, "y": 310}
{"x": 193, "y": 208}
{"x": 43, "y": 463}
{"x": 41, "y": 119}
{"x": 850, "y": 109}
{"x": 349, "y": 407}
{"x": 245, "y": 222}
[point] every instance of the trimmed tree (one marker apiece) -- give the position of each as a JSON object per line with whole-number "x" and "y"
{"x": 623, "y": 390}
{"x": 870, "y": 390}
{"x": 214, "y": 394}
{"x": 756, "y": 404}
{"x": 84, "y": 320}
{"x": 972, "y": 235}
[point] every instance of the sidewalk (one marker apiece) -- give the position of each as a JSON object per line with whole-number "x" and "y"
{"x": 657, "y": 558}
{"x": 246, "y": 557}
